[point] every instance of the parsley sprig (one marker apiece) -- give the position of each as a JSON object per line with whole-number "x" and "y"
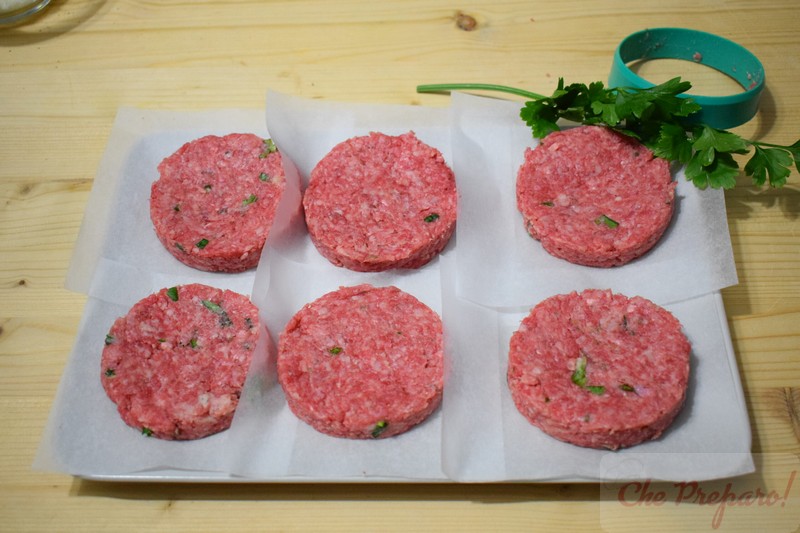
{"x": 661, "y": 120}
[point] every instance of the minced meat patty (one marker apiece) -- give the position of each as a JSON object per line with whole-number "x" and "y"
{"x": 215, "y": 200}
{"x": 362, "y": 362}
{"x": 175, "y": 364}
{"x": 595, "y": 197}
{"x": 598, "y": 369}
{"x": 378, "y": 202}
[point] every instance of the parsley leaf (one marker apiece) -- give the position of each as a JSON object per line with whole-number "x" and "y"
{"x": 606, "y": 110}
{"x": 540, "y": 118}
{"x": 795, "y": 151}
{"x": 770, "y": 163}
{"x": 672, "y": 144}
{"x": 720, "y": 171}
{"x": 719, "y": 140}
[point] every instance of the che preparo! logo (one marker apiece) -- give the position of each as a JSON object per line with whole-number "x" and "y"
{"x": 768, "y": 498}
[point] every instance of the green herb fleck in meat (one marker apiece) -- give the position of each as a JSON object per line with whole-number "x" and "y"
{"x": 579, "y": 377}
{"x": 379, "y": 428}
{"x": 193, "y": 342}
{"x": 603, "y": 219}
{"x": 147, "y": 432}
{"x": 548, "y": 204}
{"x": 627, "y": 388}
{"x": 180, "y": 247}
{"x": 579, "y": 374}
{"x": 110, "y": 339}
{"x": 110, "y": 373}
{"x": 264, "y": 176}
{"x": 172, "y": 292}
{"x": 211, "y": 306}
{"x": 432, "y": 217}
{"x": 176, "y": 208}
{"x": 335, "y": 350}
{"x": 596, "y": 389}
{"x": 269, "y": 148}
{"x": 224, "y": 319}
{"x": 207, "y": 187}
{"x": 202, "y": 243}
{"x": 249, "y": 200}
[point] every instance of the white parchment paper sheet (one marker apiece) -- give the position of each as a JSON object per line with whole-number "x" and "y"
{"x": 117, "y": 261}
{"x": 500, "y": 265}
{"x": 117, "y": 255}
{"x": 295, "y": 274}
{"x": 485, "y": 438}
{"x": 275, "y": 443}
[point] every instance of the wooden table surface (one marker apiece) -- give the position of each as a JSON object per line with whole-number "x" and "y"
{"x": 63, "y": 76}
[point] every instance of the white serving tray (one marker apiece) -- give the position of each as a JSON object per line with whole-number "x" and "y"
{"x": 475, "y": 436}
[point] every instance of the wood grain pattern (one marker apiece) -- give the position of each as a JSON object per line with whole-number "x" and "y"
{"x": 64, "y": 75}
{"x": 790, "y": 397}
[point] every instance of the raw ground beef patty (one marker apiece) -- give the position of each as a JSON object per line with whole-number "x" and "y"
{"x": 378, "y": 202}
{"x": 176, "y": 363}
{"x": 598, "y": 369}
{"x": 594, "y": 197}
{"x": 214, "y": 202}
{"x": 362, "y": 362}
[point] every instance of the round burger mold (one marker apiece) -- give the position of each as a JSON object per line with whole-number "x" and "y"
{"x": 709, "y": 49}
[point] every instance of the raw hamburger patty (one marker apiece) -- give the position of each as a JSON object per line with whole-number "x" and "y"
{"x": 176, "y": 363}
{"x": 594, "y": 197}
{"x": 379, "y": 202}
{"x": 598, "y": 369}
{"x": 362, "y": 362}
{"x": 215, "y": 200}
